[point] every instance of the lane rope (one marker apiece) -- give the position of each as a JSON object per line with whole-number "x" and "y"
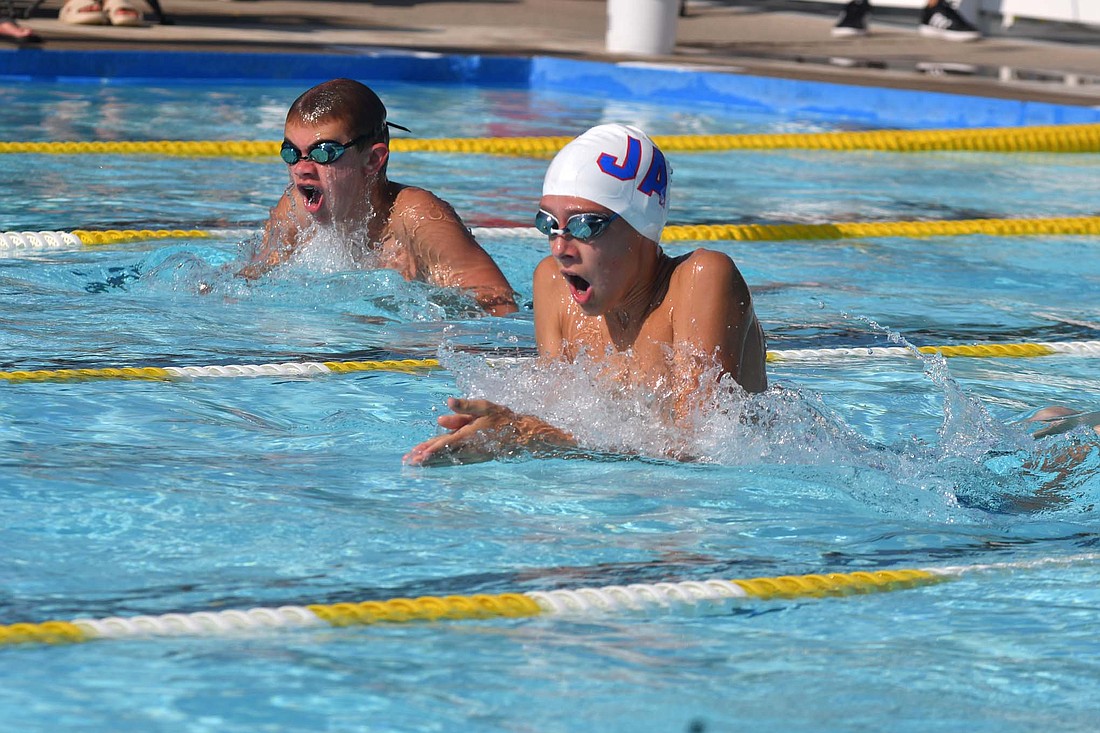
{"x": 91, "y": 238}
{"x": 1082, "y": 138}
{"x": 318, "y": 368}
{"x": 649, "y": 600}
{"x": 1017, "y": 350}
{"x": 1075, "y": 225}
{"x": 154, "y": 373}
{"x": 1067, "y": 225}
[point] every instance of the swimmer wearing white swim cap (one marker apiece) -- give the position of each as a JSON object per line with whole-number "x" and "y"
{"x": 632, "y": 180}
{"x": 609, "y": 293}
{"x": 610, "y": 286}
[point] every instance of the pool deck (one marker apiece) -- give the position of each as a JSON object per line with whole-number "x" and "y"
{"x": 1045, "y": 62}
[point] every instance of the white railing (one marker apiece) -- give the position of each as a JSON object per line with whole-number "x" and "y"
{"x": 1066, "y": 11}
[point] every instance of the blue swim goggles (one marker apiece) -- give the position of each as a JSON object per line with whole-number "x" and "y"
{"x": 584, "y": 227}
{"x": 322, "y": 153}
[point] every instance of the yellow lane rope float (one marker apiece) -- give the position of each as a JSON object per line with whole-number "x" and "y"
{"x": 1075, "y": 225}
{"x": 320, "y": 368}
{"x": 1083, "y": 138}
{"x": 685, "y": 598}
{"x": 1067, "y": 225}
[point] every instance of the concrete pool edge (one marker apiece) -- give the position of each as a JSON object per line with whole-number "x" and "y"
{"x": 851, "y": 105}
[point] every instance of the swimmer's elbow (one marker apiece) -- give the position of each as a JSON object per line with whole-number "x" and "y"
{"x": 495, "y": 301}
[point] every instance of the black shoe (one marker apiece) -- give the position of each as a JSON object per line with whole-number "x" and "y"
{"x": 853, "y": 21}
{"x": 943, "y": 21}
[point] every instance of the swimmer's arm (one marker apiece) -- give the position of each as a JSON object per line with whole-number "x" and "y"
{"x": 447, "y": 251}
{"x": 280, "y": 234}
{"x": 714, "y": 314}
{"x": 480, "y": 430}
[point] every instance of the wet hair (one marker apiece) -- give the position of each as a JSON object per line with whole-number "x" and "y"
{"x": 345, "y": 101}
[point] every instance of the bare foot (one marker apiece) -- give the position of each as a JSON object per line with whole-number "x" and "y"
{"x": 11, "y": 29}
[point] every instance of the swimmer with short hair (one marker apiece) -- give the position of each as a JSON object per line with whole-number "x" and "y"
{"x": 609, "y": 292}
{"x": 336, "y": 148}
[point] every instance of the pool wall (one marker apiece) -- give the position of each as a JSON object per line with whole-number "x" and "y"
{"x": 678, "y": 85}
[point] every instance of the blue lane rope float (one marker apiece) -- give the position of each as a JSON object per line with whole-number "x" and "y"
{"x": 685, "y": 597}
{"x": 1070, "y": 225}
{"x": 320, "y": 368}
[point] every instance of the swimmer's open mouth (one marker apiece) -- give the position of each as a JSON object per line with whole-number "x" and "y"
{"x": 579, "y": 288}
{"x": 312, "y": 195}
{"x": 577, "y": 282}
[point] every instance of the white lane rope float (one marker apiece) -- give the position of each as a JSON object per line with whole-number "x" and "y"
{"x": 702, "y": 597}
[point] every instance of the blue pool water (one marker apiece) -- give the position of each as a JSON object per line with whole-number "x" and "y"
{"x": 122, "y": 498}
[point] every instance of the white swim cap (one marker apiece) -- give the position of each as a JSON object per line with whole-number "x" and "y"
{"x": 619, "y": 167}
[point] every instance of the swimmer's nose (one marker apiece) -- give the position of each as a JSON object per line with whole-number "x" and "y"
{"x": 561, "y": 245}
{"x": 304, "y": 171}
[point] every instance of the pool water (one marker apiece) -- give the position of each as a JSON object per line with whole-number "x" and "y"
{"x": 126, "y": 497}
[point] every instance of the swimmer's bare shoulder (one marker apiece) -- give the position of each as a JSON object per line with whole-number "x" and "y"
{"x": 413, "y": 202}
{"x": 704, "y": 279}
{"x": 547, "y": 281}
{"x": 712, "y": 308}
{"x": 551, "y": 299}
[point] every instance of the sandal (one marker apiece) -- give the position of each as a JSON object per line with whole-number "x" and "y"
{"x": 121, "y": 12}
{"x": 82, "y": 12}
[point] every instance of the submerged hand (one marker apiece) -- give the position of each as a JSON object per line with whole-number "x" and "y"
{"x": 481, "y": 430}
{"x": 476, "y": 431}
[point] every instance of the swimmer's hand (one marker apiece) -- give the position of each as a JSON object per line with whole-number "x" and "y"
{"x": 481, "y": 430}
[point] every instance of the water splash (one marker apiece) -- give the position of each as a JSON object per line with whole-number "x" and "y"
{"x": 325, "y": 249}
{"x": 968, "y": 430}
{"x": 976, "y": 467}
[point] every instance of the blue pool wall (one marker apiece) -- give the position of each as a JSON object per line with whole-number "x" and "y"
{"x": 854, "y": 106}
